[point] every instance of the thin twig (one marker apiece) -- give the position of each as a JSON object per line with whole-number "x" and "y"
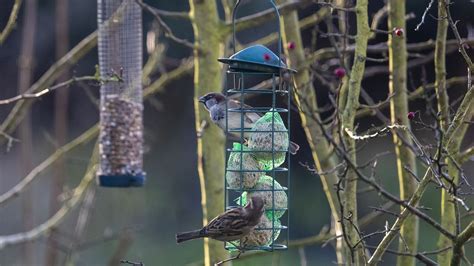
{"x": 424, "y": 15}
{"x": 58, "y": 217}
{"x": 59, "y": 153}
{"x": 461, "y": 42}
{"x": 41, "y": 93}
{"x": 11, "y": 21}
{"x": 167, "y": 30}
{"x": 335, "y": 7}
{"x": 133, "y": 263}
{"x": 18, "y": 111}
{"x": 263, "y": 16}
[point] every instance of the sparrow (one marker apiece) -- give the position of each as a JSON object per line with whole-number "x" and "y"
{"x": 215, "y": 104}
{"x": 232, "y": 225}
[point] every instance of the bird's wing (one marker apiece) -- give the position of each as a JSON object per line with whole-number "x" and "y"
{"x": 250, "y": 117}
{"x": 229, "y": 223}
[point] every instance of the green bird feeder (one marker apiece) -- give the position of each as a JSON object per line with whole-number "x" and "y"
{"x": 259, "y": 164}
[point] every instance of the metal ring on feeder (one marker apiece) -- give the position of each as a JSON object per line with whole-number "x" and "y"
{"x": 255, "y": 168}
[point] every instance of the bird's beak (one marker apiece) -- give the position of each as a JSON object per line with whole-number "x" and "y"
{"x": 202, "y": 99}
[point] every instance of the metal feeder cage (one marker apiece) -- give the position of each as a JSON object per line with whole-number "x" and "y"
{"x": 261, "y": 161}
{"x": 121, "y": 103}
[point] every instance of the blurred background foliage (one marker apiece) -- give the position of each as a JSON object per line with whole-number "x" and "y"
{"x": 170, "y": 201}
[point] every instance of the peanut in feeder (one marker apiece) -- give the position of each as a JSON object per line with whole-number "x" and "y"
{"x": 267, "y": 142}
{"x": 121, "y": 106}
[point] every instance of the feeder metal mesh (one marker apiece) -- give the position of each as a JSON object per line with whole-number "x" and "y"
{"x": 267, "y": 141}
{"x": 245, "y": 174}
{"x": 272, "y": 193}
{"x": 262, "y": 234}
{"x": 253, "y": 167}
{"x": 269, "y": 134}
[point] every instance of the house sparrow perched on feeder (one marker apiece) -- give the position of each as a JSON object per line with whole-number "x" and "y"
{"x": 215, "y": 103}
{"x": 232, "y": 225}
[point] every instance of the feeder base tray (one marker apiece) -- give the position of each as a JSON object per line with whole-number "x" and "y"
{"x": 122, "y": 180}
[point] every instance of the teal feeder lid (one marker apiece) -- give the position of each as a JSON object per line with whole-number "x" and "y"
{"x": 256, "y": 58}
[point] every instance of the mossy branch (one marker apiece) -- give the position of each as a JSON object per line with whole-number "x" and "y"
{"x": 395, "y": 228}
{"x": 398, "y": 114}
{"x": 448, "y": 218}
{"x": 307, "y": 104}
{"x": 349, "y": 105}
{"x": 210, "y": 143}
{"x": 462, "y": 238}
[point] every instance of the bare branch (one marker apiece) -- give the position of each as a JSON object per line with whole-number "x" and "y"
{"x": 377, "y": 19}
{"x": 421, "y": 256}
{"x": 461, "y": 42}
{"x": 462, "y": 238}
{"x": 184, "y": 69}
{"x": 466, "y": 155}
{"x": 58, "y": 217}
{"x": 417, "y": 93}
{"x": 11, "y": 21}
{"x": 386, "y": 194}
{"x": 335, "y": 7}
{"x": 462, "y": 112}
{"x": 10, "y": 140}
{"x": 18, "y": 188}
{"x": 304, "y": 23}
{"x": 424, "y": 15}
{"x": 170, "y": 14}
{"x": 18, "y": 112}
{"x": 50, "y": 89}
{"x": 263, "y": 16}
{"x": 373, "y": 135}
{"x": 168, "y": 32}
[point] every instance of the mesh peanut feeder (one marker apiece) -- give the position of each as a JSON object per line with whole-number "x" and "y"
{"x": 260, "y": 162}
{"x": 121, "y": 106}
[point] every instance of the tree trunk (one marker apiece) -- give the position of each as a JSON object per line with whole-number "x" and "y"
{"x": 399, "y": 111}
{"x": 210, "y": 143}
{"x": 307, "y": 104}
{"x": 350, "y": 92}
{"x": 448, "y": 218}
{"x": 60, "y": 120}
{"x": 25, "y": 77}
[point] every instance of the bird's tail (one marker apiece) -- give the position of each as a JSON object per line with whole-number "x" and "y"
{"x": 185, "y": 236}
{"x": 294, "y": 147}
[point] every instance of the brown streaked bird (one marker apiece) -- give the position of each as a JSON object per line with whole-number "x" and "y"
{"x": 215, "y": 104}
{"x": 232, "y": 225}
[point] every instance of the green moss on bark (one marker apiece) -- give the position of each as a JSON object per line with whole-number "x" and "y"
{"x": 210, "y": 147}
{"x": 398, "y": 115}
